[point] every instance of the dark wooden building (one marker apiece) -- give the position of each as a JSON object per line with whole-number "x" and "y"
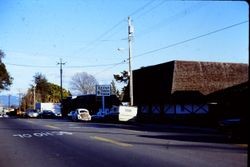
{"x": 179, "y": 88}
{"x": 232, "y": 102}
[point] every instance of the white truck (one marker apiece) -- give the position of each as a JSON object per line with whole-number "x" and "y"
{"x": 54, "y": 107}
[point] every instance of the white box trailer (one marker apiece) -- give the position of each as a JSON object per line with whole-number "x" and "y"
{"x": 125, "y": 113}
{"x": 2, "y": 111}
{"x": 54, "y": 107}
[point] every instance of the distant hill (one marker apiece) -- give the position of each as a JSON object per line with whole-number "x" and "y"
{"x": 4, "y": 100}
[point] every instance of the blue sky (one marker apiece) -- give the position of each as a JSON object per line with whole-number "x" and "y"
{"x": 35, "y": 34}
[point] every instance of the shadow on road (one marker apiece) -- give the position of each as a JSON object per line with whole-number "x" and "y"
{"x": 176, "y": 132}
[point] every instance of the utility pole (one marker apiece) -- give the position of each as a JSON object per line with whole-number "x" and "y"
{"x": 61, "y": 72}
{"x": 130, "y": 37}
{"x": 34, "y": 97}
{"x": 20, "y": 99}
{"x": 9, "y": 102}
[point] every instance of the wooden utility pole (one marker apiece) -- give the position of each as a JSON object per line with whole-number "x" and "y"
{"x": 61, "y": 72}
{"x": 130, "y": 37}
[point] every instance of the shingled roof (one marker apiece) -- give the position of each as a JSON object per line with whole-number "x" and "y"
{"x": 160, "y": 82}
{"x": 207, "y": 77}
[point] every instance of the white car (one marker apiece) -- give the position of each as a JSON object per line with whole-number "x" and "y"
{"x": 80, "y": 114}
{"x": 58, "y": 113}
{"x": 31, "y": 113}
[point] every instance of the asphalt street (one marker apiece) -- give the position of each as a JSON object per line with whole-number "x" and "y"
{"x": 62, "y": 143}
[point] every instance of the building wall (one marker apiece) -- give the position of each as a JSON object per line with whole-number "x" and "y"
{"x": 174, "y": 109}
{"x": 153, "y": 84}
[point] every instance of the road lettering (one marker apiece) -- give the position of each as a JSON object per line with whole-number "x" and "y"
{"x": 42, "y": 134}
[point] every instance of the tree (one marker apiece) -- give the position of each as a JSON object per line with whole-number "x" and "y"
{"x": 2, "y": 55}
{"x": 41, "y": 86}
{"x": 123, "y": 78}
{"x": 44, "y": 92}
{"x": 114, "y": 90}
{"x": 27, "y": 100}
{"x": 5, "y": 78}
{"x": 54, "y": 93}
{"x": 83, "y": 83}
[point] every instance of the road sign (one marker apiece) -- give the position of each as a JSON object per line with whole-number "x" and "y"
{"x": 103, "y": 90}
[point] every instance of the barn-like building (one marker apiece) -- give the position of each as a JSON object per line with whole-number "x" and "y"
{"x": 180, "y": 88}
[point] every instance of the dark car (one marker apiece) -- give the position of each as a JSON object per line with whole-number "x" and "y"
{"x": 47, "y": 114}
{"x": 234, "y": 128}
{"x": 97, "y": 118}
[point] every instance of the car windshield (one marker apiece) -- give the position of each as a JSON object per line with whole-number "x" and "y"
{"x": 31, "y": 111}
{"x": 83, "y": 111}
{"x": 47, "y": 111}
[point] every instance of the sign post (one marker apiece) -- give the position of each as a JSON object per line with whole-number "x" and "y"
{"x": 103, "y": 90}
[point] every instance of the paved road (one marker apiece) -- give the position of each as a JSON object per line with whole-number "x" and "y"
{"x": 60, "y": 143}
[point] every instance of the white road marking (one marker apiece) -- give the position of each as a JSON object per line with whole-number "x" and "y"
{"x": 43, "y": 134}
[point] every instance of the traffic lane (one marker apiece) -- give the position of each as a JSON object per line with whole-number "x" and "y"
{"x": 196, "y": 154}
{"x": 94, "y": 150}
{"x": 24, "y": 150}
{"x": 74, "y": 150}
{"x": 180, "y": 152}
{"x": 88, "y": 132}
{"x": 177, "y": 148}
{"x": 178, "y": 145}
{"x": 26, "y": 144}
{"x": 148, "y": 149}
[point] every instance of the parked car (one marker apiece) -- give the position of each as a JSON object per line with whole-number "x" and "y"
{"x": 100, "y": 115}
{"x": 80, "y": 114}
{"x": 70, "y": 114}
{"x": 4, "y": 116}
{"x": 47, "y": 114}
{"x": 97, "y": 118}
{"x": 31, "y": 113}
{"x": 58, "y": 114}
{"x": 234, "y": 128}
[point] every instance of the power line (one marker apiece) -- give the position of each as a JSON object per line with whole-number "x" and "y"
{"x": 31, "y": 66}
{"x": 141, "y": 8}
{"x": 139, "y": 55}
{"x": 98, "y": 39}
{"x": 98, "y": 65}
{"x": 83, "y": 66}
{"x": 152, "y": 8}
{"x": 106, "y": 69}
{"x": 190, "y": 39}
{"x": 174, "y": 17}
